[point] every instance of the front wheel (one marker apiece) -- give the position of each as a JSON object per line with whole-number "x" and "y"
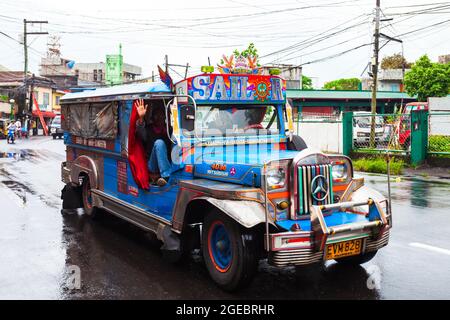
{"x": 357, "y": 260}
{"x": 229, "y": 250}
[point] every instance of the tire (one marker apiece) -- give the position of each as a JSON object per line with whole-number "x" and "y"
{"x": 54, "y": 137}
{"x": 88, "y": 206}
{"x": 297, "y": 143}
{"x": 357, "y": 260}
{"x": 230, "y": 251}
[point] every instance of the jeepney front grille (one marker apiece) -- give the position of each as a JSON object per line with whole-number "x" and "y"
{"x": 304, "y": 195}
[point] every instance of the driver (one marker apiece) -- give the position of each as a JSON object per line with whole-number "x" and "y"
{"x": 153, "y": 134}
{"x": 254, "y": 117}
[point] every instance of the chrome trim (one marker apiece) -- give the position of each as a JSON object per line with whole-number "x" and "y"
{"x": 128, "y": 212}
{"x": 309, "y": 255}
{"x": 86, "y": 165}
{"x": 294, "y": 257}
{"x": 167, "y": 116}
{"x": 372, "y": 245}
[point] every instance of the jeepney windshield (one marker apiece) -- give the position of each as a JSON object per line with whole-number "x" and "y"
{"x": 236, "y": 120}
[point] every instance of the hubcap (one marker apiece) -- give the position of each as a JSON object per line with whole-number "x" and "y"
{"x": 219, "y": 246}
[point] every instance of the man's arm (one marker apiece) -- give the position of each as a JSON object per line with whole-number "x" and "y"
{"x": 141, "y": 132}
{"x": 140, "y": 123}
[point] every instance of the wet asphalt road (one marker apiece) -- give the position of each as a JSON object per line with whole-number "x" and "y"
{"x": 40, "y": 247}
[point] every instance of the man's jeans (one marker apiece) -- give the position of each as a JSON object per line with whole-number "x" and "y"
{"x": 158, "y": 161}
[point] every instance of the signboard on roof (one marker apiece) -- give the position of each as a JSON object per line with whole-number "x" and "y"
{"x": 234, "y": 88}
{"x": 113, "y": 72}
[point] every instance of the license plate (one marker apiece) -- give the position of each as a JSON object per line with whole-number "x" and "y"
{"x": 343, "y": 249}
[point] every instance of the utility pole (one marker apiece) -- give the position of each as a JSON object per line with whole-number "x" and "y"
{"x": 166, "y": 58}
{"x": 25, "y": 52}
{"x": 375, "y": 72}
{"x": 186, "y": 72}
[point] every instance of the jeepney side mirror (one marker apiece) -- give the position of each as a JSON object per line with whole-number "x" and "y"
{"x": 187, "y": 118}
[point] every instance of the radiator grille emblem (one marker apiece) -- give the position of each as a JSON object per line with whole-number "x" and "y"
{"x": 319, "y": 188}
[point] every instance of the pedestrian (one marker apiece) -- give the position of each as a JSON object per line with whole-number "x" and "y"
{"x": 18, "y": 128}
{"x": 34, "y": 127}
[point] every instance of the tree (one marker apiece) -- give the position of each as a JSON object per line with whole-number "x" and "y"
{"x": 428, "y": 79}
{"x": 396, "y": 61}
{"x": 306, "y": 83}
{"x": 343, "y": 84}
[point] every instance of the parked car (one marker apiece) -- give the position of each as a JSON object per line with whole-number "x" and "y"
{"x": 361, "y": 128}
{"x": 55, "y": 128}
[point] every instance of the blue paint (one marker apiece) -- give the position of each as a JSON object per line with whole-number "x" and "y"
{"x": 335, "y": 219}
{"x": 220, "y": 245}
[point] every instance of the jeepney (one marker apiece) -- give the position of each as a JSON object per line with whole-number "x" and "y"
{"x": 243, "y": 187}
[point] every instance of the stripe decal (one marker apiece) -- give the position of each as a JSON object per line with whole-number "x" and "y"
{"x": 305, "y": 175}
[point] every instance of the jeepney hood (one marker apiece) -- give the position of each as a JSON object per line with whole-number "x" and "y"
{"x": 237, "y": 167}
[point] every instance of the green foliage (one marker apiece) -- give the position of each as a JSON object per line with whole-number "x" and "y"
{"x": 378, "y": 165}
{"x": 306, "y": 83}
{"x": 428, "y": 79}
{"x": 3, "y": 98}
{"x": 439, "y": 143}
{"x": 396, "y": 61}
{"x": 343, "y": 84}
{"x": 251, "y": 51}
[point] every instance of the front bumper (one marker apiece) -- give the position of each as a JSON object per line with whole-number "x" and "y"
{"x": 308, "y": 255}
{"x": 308, "y": 244}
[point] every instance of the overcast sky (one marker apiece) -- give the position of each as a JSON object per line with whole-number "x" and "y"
{"x": 323, "y": 32}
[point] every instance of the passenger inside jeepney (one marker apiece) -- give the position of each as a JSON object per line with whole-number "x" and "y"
{"x": 151, "y": 129}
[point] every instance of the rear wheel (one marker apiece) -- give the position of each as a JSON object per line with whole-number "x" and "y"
{"x": 357, "y": 260}
{"x": 229, "y": 250}
{"x": 88, "y": 205}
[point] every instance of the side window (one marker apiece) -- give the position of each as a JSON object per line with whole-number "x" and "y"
{"x": 98, "y": 120}
{"x": 104, "y": 120}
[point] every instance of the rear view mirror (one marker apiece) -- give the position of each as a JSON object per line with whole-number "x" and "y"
{"x": 187, "y": 118}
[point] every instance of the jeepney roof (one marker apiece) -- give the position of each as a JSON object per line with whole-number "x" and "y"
{"x": 152, "y": 87}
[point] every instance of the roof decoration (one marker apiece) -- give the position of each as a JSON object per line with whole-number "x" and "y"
{"x": 165, "y": 78}
{"x": 245, "y": 62}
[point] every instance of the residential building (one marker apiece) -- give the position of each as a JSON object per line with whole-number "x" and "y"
{"x": 444, "y": 59}
{"x": 95, "y": 72}
{"x": 13, "y": 84}
{"x": 388, "y": 80}
{"x": 292, "y": 74}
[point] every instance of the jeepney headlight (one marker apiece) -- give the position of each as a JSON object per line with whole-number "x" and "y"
{"x": 276, "y": 178}
{"x": 339, "y": 171}
{"x": 342, "y": 169}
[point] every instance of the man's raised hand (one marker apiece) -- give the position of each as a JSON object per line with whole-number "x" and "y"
{"x": 141, "y": 109}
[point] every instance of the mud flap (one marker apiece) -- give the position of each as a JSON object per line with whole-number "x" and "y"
{"x": 171, "y": 248}
{"x": 71, "y": 197}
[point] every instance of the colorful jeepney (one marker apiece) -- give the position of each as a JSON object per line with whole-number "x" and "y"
{"x": 243, "y": 187}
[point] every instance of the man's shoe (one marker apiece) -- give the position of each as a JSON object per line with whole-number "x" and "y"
{"x": 162, "y": 181}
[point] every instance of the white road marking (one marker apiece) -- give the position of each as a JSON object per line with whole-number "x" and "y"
{"x": 430, "y": 248}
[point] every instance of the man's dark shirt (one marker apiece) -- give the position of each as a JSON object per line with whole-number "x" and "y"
{"x": 145, "y": 133}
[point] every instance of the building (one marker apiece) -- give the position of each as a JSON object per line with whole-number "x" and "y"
{"x": 96, "y": 72}
{"x": 333, "y": 102}
{"x": 13, "y": 85}
{"x": 388, "y": 80}
{"x": 292, "y": 74}
{"x": 444, "y": 59}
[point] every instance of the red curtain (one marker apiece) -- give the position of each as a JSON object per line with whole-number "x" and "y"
{"x": 136, "y": 153}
